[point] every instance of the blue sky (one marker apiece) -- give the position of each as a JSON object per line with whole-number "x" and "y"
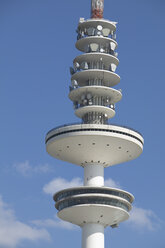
{"x": 36, "y": 50}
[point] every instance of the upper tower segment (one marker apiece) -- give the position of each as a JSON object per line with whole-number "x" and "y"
{"x": 93, "y": 76}
{"x": 93, "y": 72}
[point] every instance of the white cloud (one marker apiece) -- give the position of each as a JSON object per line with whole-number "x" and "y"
{"x": 13, "y": 231}
{"x": 26, "y": 169}
{"x": 111, "y": 183}
{"x": 143, "y": 218}
{"x": 60, "y": 183}
{"x": 53, "y": 223}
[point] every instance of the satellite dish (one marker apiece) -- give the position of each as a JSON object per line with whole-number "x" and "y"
{"x": 102, "y": 50}
{"x": 99, "y": 27}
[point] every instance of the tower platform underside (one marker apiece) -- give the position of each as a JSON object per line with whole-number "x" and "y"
{"x": 92, "y": 143}
{"x": 93, "y": 213}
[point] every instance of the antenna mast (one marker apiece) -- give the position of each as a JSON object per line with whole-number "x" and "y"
{"x": 97, "y": 8}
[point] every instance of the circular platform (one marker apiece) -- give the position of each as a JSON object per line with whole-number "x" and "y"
{"x": 114, "y": 95}
{"x": 80, "y": 112}
{"x": 104, "y": 205}
{"x": 95, "y": 22}
{"x": 83, "y": 43}
{"x": 88, "y": 213}
{"x": 109, "y": 78}
{"x": 62, "y": 194}
{"x": 106, "y": 59}
{"x": 92, "y": 143}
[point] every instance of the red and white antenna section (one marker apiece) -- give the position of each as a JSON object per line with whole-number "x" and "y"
{"x": 97, "y": 8}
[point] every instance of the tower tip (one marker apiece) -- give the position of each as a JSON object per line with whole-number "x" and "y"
{"x": 97, "y": 8}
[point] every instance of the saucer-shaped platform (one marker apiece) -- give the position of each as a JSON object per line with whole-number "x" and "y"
{"x": 107, "y": 206}
{"x": 92, "y": 143}
{"x": 88, "y": 213}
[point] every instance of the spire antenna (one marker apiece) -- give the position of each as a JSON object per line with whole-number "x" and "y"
{"x": 97, "y": 8}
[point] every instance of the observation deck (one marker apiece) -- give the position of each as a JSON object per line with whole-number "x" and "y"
{"x": 83, "y": 144}
{"x": 103, "y": 205}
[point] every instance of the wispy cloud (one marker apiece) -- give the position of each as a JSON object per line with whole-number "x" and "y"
{"x": 13, "y": 231}
{"x": 26, "y": 169}
{"x": 55, "y": 222}
{"x": 144, "y": 218}
{"x": 61, "y": 183}
{"x": 111, "y": 183}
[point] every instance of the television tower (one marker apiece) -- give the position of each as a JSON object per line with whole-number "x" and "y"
{"x": 94, "y": 144}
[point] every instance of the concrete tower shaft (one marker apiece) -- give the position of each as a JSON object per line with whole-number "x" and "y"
{"x": 97, "y": 8}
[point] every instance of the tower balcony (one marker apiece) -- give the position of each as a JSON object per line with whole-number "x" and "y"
{"x": 96, "y": 44}
{"x": 94, "y": 93}
{"x": 96, "y": 77}
{"x": 96, "y": 61}
{"x": 90, "y": 27}
{"x": 95, "y": 104}
{"x": 103, "y": 205}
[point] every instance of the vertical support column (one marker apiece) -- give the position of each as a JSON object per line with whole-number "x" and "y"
{"x": 92, "y": 236}
{"x": 94, "y": 175}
